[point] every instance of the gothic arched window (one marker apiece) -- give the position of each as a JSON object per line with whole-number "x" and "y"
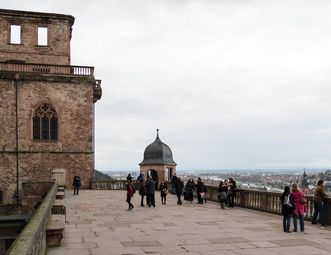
{"x": 44, "y": 123}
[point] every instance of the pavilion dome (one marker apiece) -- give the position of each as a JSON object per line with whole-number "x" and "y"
{"x": 158, "y": 153}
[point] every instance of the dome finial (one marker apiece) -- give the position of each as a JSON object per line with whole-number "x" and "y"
{"x": 157, "y": 133}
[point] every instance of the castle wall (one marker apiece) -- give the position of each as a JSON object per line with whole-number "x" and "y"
{"x": 59, "y": 34}
{"x": 25, "y": 87}
{"x": 73, "y": 151}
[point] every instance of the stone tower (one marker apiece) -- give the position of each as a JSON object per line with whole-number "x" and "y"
{"x": 158, "y": 161}
{"x": 47, "y": 104}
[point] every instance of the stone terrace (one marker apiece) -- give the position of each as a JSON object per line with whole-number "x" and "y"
{"x": 98, "y": 223}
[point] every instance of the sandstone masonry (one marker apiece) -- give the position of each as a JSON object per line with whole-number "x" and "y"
{"x": 34, "y": 140}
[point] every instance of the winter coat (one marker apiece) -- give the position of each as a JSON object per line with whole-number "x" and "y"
{"x": 142, "y": 189}
{"x": 163, "y": 187}
{"x": 76, "y": 181}
{"x": 285, "y": 209}
{"x": 200, "y": 187}
{"x": 129, "y": 190}
{"x": 179, "y": 187}
{"x": 150, "y": 187}
{"x": 299, "y": 207}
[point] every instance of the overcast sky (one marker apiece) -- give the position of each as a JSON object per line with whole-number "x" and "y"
{"x": 232, "y": 84}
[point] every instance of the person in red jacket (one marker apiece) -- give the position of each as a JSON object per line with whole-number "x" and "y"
{"x": 129, "y": 194}
{"x": 300, "y": 207}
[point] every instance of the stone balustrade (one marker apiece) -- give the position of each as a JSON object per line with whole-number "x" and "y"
{"x": 253, "y": 199}
{"x": 46, "y": 69}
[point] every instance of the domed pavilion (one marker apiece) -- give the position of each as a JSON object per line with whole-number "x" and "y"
{"x": 158, "y": 162}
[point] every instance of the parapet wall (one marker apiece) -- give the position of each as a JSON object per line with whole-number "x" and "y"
{"x": 32, "y": 240}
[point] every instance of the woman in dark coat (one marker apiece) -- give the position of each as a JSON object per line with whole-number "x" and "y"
{"x": 179, "y": 190}
{"x": 287, "y": 208}
{"x": 129, "y": 194}
{"x": 164, "y": 191}
{"x": 222, "y": 194}
{"x": 189, "y": 188}
{"x": 200, "y": 190}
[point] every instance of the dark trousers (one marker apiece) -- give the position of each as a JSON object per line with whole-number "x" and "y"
{"x": 231, "y": 199}
{"x": 286, "y": 222}
{"x": 142, "y": 200}
{"x": 128, "y": 200}
{"x": 179, "y": 200}
{"x": 302, "y": 223}
{"x": 150, "y": 200}
{"x": 163, "y": 199}
{"x": 319, "y": 209}
{"x": 76, "y": 190}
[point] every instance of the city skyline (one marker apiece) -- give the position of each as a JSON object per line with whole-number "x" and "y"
{"x": 230, "y": 85}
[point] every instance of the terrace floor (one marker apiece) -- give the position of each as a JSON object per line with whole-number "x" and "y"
{"x": 98, "y": 223}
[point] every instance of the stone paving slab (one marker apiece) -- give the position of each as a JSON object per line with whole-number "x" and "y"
{"x": 97, "y": 223}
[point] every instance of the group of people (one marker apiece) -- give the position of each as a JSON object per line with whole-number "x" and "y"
{"x": 227, "y": 192}
{"x": 189, "y": 189}
{"x": 294, "y": 205}
{"x": 147, "y": 189}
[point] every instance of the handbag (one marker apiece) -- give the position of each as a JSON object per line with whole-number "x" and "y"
{"x": 165, "y": 192}
{"x": 303, "y": 200}
{"x": 287, "y": 201}
{"x": 202, "y": 194}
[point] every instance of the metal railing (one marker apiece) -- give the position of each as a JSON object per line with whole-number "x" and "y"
{"x": 47, "y": 69}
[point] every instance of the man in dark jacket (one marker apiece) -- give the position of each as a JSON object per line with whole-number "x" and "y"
{"x": 76, "y": 184}
{"x": 150, "y": 192}
{"x": 173, "y": 184}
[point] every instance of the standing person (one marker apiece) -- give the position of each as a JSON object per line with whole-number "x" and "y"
{"x": 150, "y": 192}
{"x": 231, "y": 192}
{"x": 189, "y": 188}
{"x": 299, "y": 207}
{"x": 164, "y": 192}
{"x": 287, "y": 208}
{"x": 129, "y": 194}
{"x": 141, "y": 177}
{"x": 204, "y": 188}
{"x": 173, "y": 183}
{"x": 199, "y": 190}
{"x": 179, "y": 190}
{"x": 142, "y": 192}
{"x": 76, "y": 184}
{"x": 222, "y": 194}
{"x": 319, "y": 203}
{"x": 129, "y": 177}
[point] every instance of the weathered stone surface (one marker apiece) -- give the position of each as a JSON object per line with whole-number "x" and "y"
{"x": 97, "y": 222}
{"x": 59, "y": 34}
{"x": 71, "y": 96}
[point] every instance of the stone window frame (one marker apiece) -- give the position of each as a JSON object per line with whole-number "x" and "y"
{"x": 37, "y": 36}
{"x": 9, "y": 33}
{"x": 43, "y": 114}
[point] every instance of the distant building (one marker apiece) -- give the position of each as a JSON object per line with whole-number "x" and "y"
{"x": 304, "y": 183}
{"x": 47, "y": 105}
{"x": 158, "y": 161}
